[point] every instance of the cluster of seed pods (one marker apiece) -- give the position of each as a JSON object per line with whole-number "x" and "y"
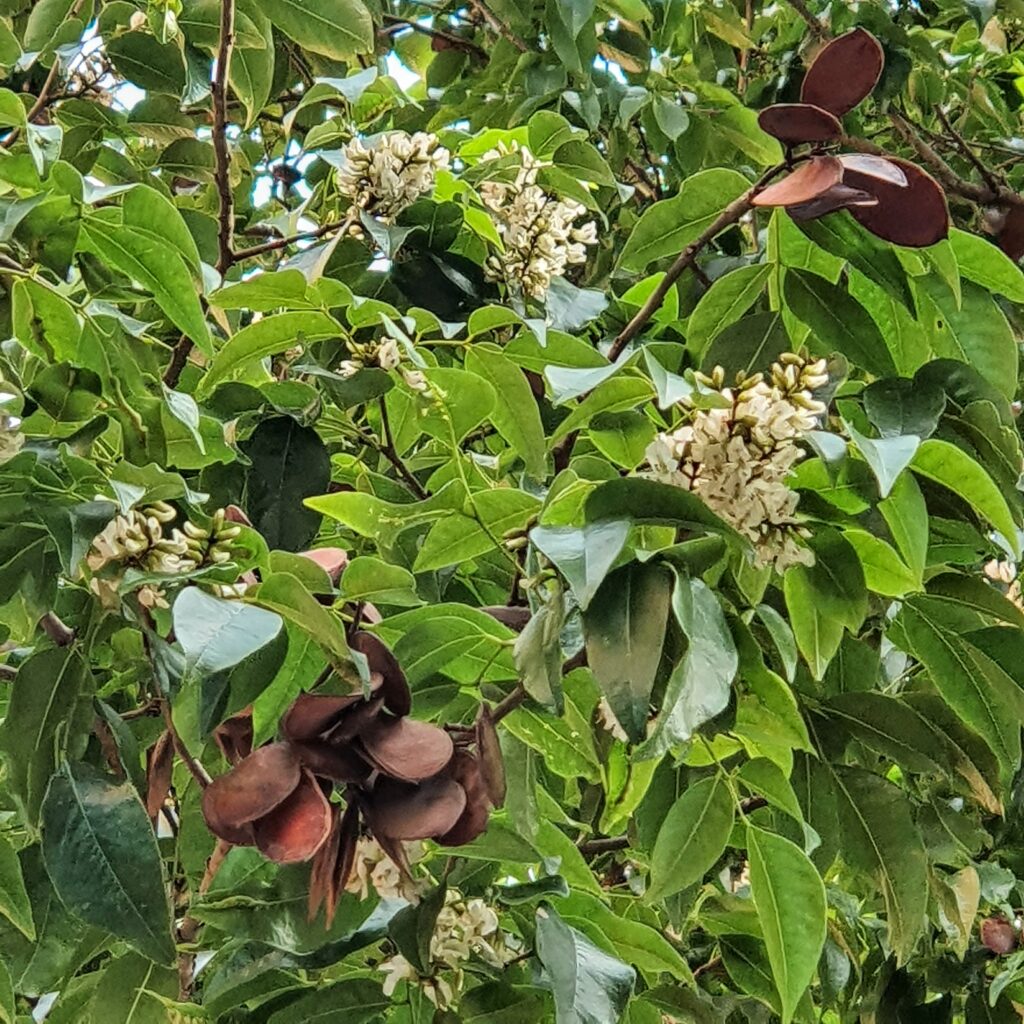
{"x": 401, "y": 779}
{"x": 893, "y": 198}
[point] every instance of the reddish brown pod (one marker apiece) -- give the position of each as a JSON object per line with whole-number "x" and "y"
{"x": 795, "y": 123}
{"x": 809, "y": 181}
{"x": 998, "y": 935}
{"x": 404, "y": 810}
{"x": 1011, "y": 233}
{"x": 405, "y": 749}
{"x": 844, "y": 72}
{"x": 839, "y": 197}
{"x": 914, "y": 214}
{"x": 295, "y": 829}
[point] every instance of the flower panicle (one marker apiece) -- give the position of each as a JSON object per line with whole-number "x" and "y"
{"x": 738, "y": 457}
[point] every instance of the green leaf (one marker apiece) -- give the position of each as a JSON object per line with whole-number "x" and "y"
{"x": 790, "y": 899}
{"x": 336, "y": 28}
{"x": 251, "y": 71}
{"x": 289, "y": 463}
{"x": 667, "y": 226}
{"x": 130, "y": 989}
{"x": 564, "y": 751}
{"x": 589, "y": 986}
{"x": 906, "y": 515}
{"x": 369, "y": 579}
{"x": 976, "y": 333}
{"x": 147, "y": 210}
{"x": 303, "y": 663}
{"x": 649, "y": 501}
{"x": 838, "y": 322}
{"x": 457, "y": 538}
{"x": 14, "y": 902}
{"x": 724, "y": 303}
{"x": 102, "y": 856}
{"x": 824, "y": 598}
{"x": 898, "y": 406}
{"x": 216, "y": 634}
{"x": 624, "y": 628}
{"x": 47, "y": 717}
{"x": 582, "y": 554}
{"x": 701, "y": 684}
{"x": 615, "y": 395}
{"x": 267, "y": 337}
{"x": 887, "y": 456}
{"x": 162, "y": 271}
{"x": 884, "y": 571}
{"x": 953, "y": 468}
{"x": 583, "y": 162}
{"x": 284, "y": 594}
{"x": 977, "y": 689}
{"x": 515, "y": 413}
{"x": 7, "y": 1008}
{"x": 878, "y": 837}
{"x": 692, "y": 837}
{"x": 986, "y": 264}
{"x": 748, "y": 345}
{"x": 353, "y": 1001}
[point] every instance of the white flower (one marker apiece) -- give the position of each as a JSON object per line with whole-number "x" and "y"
{"x": 538, "y": 231}
{"x": 373, "y": 869}
{"x": 1005, "y": 573}
{"x": 392, "y": 172}
{"x": 739, "y": 458}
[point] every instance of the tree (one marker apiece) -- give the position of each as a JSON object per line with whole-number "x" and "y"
{"x": 510, "y": 511}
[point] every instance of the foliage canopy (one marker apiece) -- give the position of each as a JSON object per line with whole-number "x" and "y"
{"x": 510, "y": 511}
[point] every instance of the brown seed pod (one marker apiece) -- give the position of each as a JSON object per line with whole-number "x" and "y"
{"x": 465, "y": 769}
{"x": 253, "y": 788}
{"x": 332, "y": 761}
{"x": 331, "y": 560}
{"x": 914, "y": 214}
{"x": 357, "y": 719}
{"x": 807, "y": 182}
{"x": 1011, "y": 233}
{"x": 838, "y": 197}
{"x": 394, "y": 688}
{"x": 492, "y": 764}
{"x": 234, "y": 736}
{"x": 794, "y": 123}
{"x": 998, "y": 935}
{"x": 321, "y": 874}
{"x": 403, "y": 810}
{"x": 159, "y": 769}
{"x": 406, "y": 749}
{"x": 295, "y": 829}
{"x": 313, "y": 715}
{"x": 515, "y": 617}
{"x": 844, "y": 72}
{"x": 873, "y": 166}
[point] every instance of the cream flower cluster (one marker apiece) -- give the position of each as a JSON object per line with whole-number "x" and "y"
{"x": 373, "y": 869}
{"x": 738, "y": 458}
{"x": 392, "y": 172}
{"x": 388, "y": 356}
{"x": 139, "y": 539}
{"x": 538, "y": 231}
{"x": 463, "y": 928}
{"x": 1005, "y": 573}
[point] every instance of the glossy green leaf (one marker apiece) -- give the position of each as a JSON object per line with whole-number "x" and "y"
{"x": 14, "y": 902}
{"x": 583, "y": 555}
{"x": 338, "y": 28}
{"x": 724, "y": 303}
{"x": 103, "y": 859}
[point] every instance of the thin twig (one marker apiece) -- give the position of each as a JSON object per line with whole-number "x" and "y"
{"x": 509, "y": 703}
{"x": 730, "y": 215}
{"x": 281, "y": 243}
{"x": 222, "y": 169}
{"x": 189, "y": 927}
{"x": 454, "y": 41}
{"x": 602, "y": 844}
{"x": 497, "y": 25}
{"x": 196, "y": 770}
{"x": 56, "y": 630}
{"x": 979, "y": 166}
{"x": 179, "y": 357}
{"x": 389, "y": 451}
{"x": 817, "y": 29}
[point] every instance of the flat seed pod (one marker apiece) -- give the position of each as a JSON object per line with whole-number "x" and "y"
{"x": 321, "y": 875}
{"x": 402, "y": 810}
{"x": 346, "y": 857}
{"x": 807, "y": 182}
{"x": 331, "y": 560}
{"x": 339, "y": 763}
{"x": 357, "y": 719}
{"x": 794, "y": 123}
{"x": 492, "y": 764}
{"x": 159, "y": 770}
{"x": 394, "y": 688}
{"x": 294, "y": 830}
{"x": 844, "y": 72}
{"x": 839, "y": 197}
{"x": 253, "y": 788}
{"x": 914, "y": 215}
{"x": 1011, "y": 233}
{"x": 874, "y": 167}
{"x": 406, "y": 749}
{"x": 465, "y": 769}
{"x": 312, "y": 715}
{"x": 234, "y": 736}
